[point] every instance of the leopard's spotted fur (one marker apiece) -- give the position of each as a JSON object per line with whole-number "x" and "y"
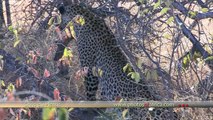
{"x": 97, "y": 47}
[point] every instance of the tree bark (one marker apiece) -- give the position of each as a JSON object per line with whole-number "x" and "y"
{"x": 1, "y": 15}
{"x": 7, "y": 5}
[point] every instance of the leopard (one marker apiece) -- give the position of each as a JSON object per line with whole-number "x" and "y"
{"x": 97, "y": 47}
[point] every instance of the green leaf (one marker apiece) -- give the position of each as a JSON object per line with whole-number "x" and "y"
{"x": 100, "y": 72}
{"x": 67, "y": 53}
{"x": 48, "y": 113}
{"x": 204, "y": 10}
{"x": 18, "y": 59}
{"x": 196, "y": 55}
{"x": 50, "y": 22}
{"x": 186, "y": 61}
{"x": 210, "y": 58}
{"x": 10, "y": 28}
{"x": 68, "y": 33}
{"x": 156, "y": 5}
{"x": 81, "y": 21}
{"x": 70, "y": 109}
{"x": 171, "y": 19}
{"x": 145, "y": 10}
{"x": 70, "y": 24}
{"x": 130, "y": 73}
{"x": 15, "y": 32}
{"x": 71, "y": 27}
{"x": 192, "y": 14}
{"x": 121, "y": 100}
{"x": 11, "y": 87}
{"x": 129, "y": 68}
{"x": 63, "y": 114}
{"x": 94, "y": 71}
{"x": 16, "y": 43}
{"x": 58, "y": 19}
{"x": 208, "y": 49}
{"x": 125, "y": 67}
{"x": 2, "y": 83}
{"x": 124, "y": 113}
{"x": 164, "y": 10}
{"x": 136, "y": 76}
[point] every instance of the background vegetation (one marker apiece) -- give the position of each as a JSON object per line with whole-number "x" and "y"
{"x": 167, "y": 43}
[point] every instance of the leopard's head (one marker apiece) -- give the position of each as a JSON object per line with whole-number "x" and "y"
{"x": 68, "y": 12}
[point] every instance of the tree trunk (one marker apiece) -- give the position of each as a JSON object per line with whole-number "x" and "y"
{"x": 1, "y": 15}
{"x": 7, "y": 5}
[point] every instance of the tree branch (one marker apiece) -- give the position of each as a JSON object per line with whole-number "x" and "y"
{"x": 191, "y": 37}
{"x": 30, "y": 82}
{"x": 185, "y": 11}
{"x": 202, "y": 4}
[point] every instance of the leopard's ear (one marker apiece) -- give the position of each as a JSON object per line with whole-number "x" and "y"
{"x": 61, "y": 8}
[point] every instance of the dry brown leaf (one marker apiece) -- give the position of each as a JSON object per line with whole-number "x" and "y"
{"x": 56, "y": 94}
{"x": 46, "y": 73}
{"x": 18, "y": 82}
